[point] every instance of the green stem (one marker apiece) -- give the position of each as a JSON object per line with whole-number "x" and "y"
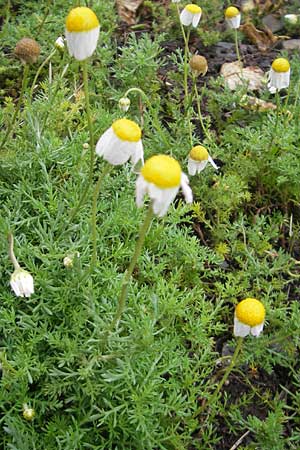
{"x": 91, "y": 141}
{"x": 198, "y": 101}
{"x": 277, "y": 116}
{"x": 11, "y": 251}
{"x": 17, "y": 110}
{"x": 153, "y": 115}
{"x": 227, "y": 372}
{"x": 126, "y": 279}
{"x": 105, "y": 171}
{"x": 39, "y": 71}
{"x": 237, "y": 47}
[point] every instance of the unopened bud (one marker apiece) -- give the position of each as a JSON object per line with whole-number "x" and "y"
{"x": 28, "y": 50}
{"x": 86, "y": 146}
{"x": 198, "y": 65}
{"x": 59, "y": 44}
{"x": 291, "y": 18}
{"x": 69, "y": 259}
{"x": 124, "y": 104}
{"x": 28, "y": 413}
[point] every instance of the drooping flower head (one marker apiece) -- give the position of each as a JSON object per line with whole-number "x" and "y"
{"x": 121, "y": 142}
{"x": 82, "y": 32}
{"x": 198, "y": 159}
{"x": 160, "y": 178}
{"x": 198, "y": 65}
{"x": 21, "y": 283}
{"x": 190, "y": 15}
{"x": 27, "y": 50}
{"x": 279, "y": 75}
{"x": 233, "y": 17}
{"x": 249, "y": 318}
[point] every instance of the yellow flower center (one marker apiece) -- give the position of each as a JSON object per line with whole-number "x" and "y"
{"x": 250, "y": 312}
{"x": 281, "y": 65}
{"x": 199, "y": 153}
{"x": 232, "y": 11}
{"x": 81, "y": 19}
{"x": 163, "y": 171}
{"x": 194, "y": 9}
{"x": 127, "y": 130}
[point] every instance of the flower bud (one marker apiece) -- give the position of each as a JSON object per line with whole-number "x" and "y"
{"x": 69, "y": 259}
{"x": 28, "y": 413}
{"x": 59, "y": 44}
{"x": 198, "y": 65}
{"x": 291, "y": 18}
{"x": 21, "y": 283}
{"x": 28, "y": 50}
{"x": 124, "y": 104}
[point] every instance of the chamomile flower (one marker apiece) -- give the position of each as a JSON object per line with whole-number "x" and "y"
{"x": 249, "y": 318}
{"x": 82, "y": 32}
{"x": 198, "y": 159}
{"x": 121, "y": 142}
{"x": 21, "y": 283}
{"x": 233, "y": 17}
{"x": 160, "y": 178}
{"x": 190, "y": 15}
{"x": 279, "y": 75}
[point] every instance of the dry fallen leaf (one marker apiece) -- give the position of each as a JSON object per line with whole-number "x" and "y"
{"x": 235, "y": 76}
{"x": 127, "y": 10}
{"x": 256, "y": 104}
{"x": 262, "y": 39}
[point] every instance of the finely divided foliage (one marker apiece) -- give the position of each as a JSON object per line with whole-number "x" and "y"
{"x": 124, "y": 330}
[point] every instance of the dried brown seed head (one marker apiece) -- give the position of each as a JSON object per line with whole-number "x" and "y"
{"x": 198, "y": 64}
{"x": 28, "y": 50}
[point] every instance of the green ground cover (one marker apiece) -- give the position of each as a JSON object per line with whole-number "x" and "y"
{"x": 150, "y": 382}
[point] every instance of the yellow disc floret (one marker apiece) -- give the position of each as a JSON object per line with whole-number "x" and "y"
{"x": 163, "y": 171}
{"x": 250, "y": 312}
{"x": 127, "y": 130}
{"x": 81, "y": 19}
{"x": 199, "y": 153}
{"x": 194, "y": 9}
{"x": 281, "y": 65}
{"x": 231, "y": 12}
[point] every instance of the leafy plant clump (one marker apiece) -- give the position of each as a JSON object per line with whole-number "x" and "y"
{"x": 91, "y": 358}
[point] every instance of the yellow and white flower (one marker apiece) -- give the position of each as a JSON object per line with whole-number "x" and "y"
{"x": 279, "y": 75}
{"x": 198, "y": 159}
{"x": 82, "y": 32}
{"x": 233, "y": 17}
{"x": 21, "y": 283}
{"x": 249, "y": 318}
{"x": 190, "y": 15}
{"x": 121, "y": 142}
{"x": 160, "y": 178}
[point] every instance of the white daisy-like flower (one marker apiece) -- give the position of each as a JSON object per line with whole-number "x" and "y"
{"x": 279, "y": 75}
{"x": 82, "y": 32}
{"x": 249, "y": 318}
{"x": 121, "y": 142}
{"x": 160, "y": 178}
{"x": 198, "y": 159}
{"x": 233, "y": 17}
{"x": 190, "y": 15}
{"x": 21, "y": 283}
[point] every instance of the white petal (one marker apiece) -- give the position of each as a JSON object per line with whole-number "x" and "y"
{"x": 104, "y": 141}
{"x": 187, "y": 191}
{"x": 137, "y": 153}
{"x": 82, "y": 44}
{"x": 196, "y": 19}
{"x": 255, "y": 331}
{"x": 186, "y": 17}
{"x": 240, "y": 329}
{"x": 161, "y": 205}
{"x": 234, "y": 22}
{"x": 140, "y": 190}
{"x": 192, "y": 167}
{"x": 213, "y": 163}
{"x": 278, "y": 80}
{"x": 114, "y": 150}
